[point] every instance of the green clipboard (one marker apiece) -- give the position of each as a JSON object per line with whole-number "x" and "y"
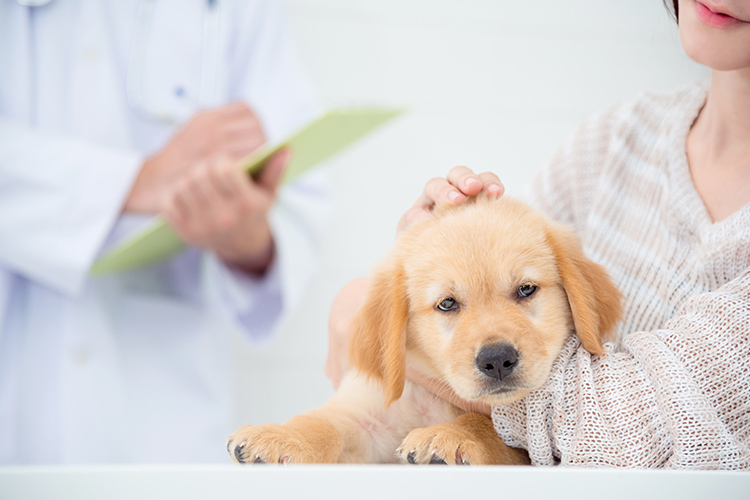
{"x": 312, "y": 144}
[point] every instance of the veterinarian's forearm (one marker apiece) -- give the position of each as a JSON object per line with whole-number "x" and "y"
{"x": 64, "y": 197}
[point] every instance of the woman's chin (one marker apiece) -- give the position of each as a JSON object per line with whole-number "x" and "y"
{"x": 720, "y": 50}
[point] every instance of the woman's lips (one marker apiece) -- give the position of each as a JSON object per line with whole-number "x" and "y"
{"x": 714, "y": 19}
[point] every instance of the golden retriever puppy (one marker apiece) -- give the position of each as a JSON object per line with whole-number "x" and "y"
{"x": 481, "y": 297}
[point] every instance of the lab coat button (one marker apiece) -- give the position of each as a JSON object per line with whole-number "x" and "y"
{"x": 80, "y": 357}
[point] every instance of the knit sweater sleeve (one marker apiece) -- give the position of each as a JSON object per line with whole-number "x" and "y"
{"x": 674, "y": 391}
{"x": 675, "y": 398}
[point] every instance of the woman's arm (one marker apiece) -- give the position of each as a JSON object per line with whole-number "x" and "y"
{"x": 674, "y": 397}
{"x": 677, "y": 397}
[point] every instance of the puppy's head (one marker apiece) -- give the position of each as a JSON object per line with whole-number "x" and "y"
{"x": 482, "y": 297}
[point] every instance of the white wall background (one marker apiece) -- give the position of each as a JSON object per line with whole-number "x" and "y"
{"x": 492, "y": 84}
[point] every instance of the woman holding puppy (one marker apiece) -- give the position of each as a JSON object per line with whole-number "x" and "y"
{"x": 658, "y": 190}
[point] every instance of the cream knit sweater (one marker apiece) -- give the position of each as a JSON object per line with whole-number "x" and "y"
{"x": 674, "y": 388}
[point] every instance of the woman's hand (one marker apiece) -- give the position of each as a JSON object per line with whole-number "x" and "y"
{"x": 460, "y": 184}
{"x": 340, "y": 327}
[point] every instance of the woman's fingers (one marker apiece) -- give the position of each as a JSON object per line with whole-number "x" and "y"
{"x": 412, "y": 216}
{"x": 465, "y": 180}
{"x": 439, "y": 190}
{"x": 460, "y": 184}
{"x": 472, "y": 184}
{"x": 491, "y": 184}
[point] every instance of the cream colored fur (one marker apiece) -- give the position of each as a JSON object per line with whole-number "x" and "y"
{"x": 479, "y": 257}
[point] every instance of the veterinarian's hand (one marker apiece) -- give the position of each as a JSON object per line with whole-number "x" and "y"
{"x": 231, "y": 131}
{"x": 340, "y": 321}
{"x": 460, "y": 184}
{"x": 219, "y": 207}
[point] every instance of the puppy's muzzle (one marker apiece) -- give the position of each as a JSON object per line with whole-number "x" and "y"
{"x": 497, "y": 361}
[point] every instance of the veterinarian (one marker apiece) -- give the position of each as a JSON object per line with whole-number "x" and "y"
{"x": 658, "y": 190}
{"x": 111, "y": 112}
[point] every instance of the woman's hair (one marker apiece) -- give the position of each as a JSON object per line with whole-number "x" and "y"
{"x": 675, "y": 9}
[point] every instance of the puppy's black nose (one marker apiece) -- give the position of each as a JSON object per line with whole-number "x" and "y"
{"x": 497, "y": 360}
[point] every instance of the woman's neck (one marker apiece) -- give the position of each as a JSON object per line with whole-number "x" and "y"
{"x": 725, "y": 119}
{"x": 718, "y": 145}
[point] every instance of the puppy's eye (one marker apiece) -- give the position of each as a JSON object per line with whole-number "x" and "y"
{"x": 447, "y": 304}
{"x": 526, "y": 290}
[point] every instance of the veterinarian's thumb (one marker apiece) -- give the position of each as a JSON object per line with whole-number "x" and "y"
{"x": 274, "y": 170}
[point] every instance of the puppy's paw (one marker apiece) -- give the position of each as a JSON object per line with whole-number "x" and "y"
{"x": 269, "y": 444}
{"x": 470, "y": 440}
{"x": 440, "y": 444}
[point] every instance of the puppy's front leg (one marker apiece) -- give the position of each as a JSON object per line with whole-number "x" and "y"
{"x": 307, "y": 438}
{"x": 469, "y": 440}
{"x": 352, "y": 427}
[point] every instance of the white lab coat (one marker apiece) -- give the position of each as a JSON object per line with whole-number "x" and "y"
{"x": 133, "y": 367}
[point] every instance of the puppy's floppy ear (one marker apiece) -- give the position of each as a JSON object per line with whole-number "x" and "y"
{"x": 594, "y": 300}
{"x": 378, "y": 348}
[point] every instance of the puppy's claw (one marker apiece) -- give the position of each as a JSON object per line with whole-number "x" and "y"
{"x": 282, "y": 444}
{"x": 238, "y": 453}
{"x": 411, "y": 457}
